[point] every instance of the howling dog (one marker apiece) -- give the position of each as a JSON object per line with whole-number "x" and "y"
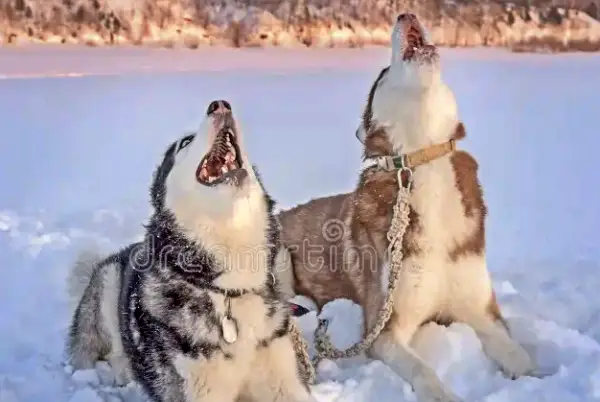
{"x": 411, "y": 115}
{"x": 192, "y": 312}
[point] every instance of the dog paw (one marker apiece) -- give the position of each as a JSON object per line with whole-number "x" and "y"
{"x": 81, "y": 362}
{"x": 121, "y": 371}
{"x": 516, "y": 363}
{"x": 122, "y": 377}
{"x": 541, "y": 373}
{"x": 429, "y": 388}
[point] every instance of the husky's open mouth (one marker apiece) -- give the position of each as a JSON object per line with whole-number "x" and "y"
{"x": 223, "y": 163}
{"x": 416, "y": 46}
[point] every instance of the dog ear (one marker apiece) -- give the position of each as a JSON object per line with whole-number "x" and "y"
{"x": 157, "y": 189}
{"x": 459, "y": 132}
{"x": 257, "y": 174}
{"x": 360, "y": 134}
{"x": 270, "y": 201}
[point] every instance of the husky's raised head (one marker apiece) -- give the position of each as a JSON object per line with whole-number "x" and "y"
{"x": 206, "y": 181}
{"x": 413, "y": 55}
{"x": 207, "y": 186}
{"x": 409, "y": 106}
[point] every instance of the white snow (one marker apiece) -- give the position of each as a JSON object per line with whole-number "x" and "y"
{"x": 89, "y": 376}
{"x": 78, "y": 154}
{"x": 85, "y": 395}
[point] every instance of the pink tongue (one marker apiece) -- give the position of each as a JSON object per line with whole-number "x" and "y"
{"x": 298, "y": 310}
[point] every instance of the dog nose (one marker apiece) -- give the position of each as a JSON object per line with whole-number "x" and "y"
{"x": 218, "y": 106}
{"x": 406, "y": 17}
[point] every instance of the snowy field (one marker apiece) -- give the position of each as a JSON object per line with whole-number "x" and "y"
{"x": 82, "y": 130}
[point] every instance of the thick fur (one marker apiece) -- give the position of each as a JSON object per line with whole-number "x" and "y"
{"x": 337, "y": 245}
{"x": 81, "y": 273}
{"x": 201, "y": 243}
{"x": 94, "y": 331}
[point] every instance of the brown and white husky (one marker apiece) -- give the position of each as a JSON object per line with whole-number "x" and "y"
{"x": 337, "y": 245}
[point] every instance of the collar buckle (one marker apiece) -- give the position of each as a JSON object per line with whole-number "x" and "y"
{"x": 391, "y": 163}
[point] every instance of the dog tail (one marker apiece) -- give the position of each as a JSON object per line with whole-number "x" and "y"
{"x": 87, "y": 341}
{"x": 81, "y": 272}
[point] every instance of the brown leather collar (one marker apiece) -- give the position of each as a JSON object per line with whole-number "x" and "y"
{"x": 429, "y": 154}
{"x": 413, "y": 159}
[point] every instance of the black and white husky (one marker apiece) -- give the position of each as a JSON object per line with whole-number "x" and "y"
{"x": 192, "y": 312}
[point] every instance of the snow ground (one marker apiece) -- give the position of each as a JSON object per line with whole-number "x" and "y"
{"x": 79, "y": 152}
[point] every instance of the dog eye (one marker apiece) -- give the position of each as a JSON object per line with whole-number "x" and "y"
{"x": 185, "y": 142}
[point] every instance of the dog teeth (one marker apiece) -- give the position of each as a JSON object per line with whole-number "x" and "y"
{"x": 230, "y": 157}
{"x": 224, "y": 169}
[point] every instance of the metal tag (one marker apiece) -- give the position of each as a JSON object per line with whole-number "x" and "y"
{"x": 229, "y": 328}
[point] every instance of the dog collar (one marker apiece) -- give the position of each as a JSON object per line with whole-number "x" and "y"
{"x": 410, "y": 160}
{"x": 234, "y": 293}
{"x": 229, "y": 293}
